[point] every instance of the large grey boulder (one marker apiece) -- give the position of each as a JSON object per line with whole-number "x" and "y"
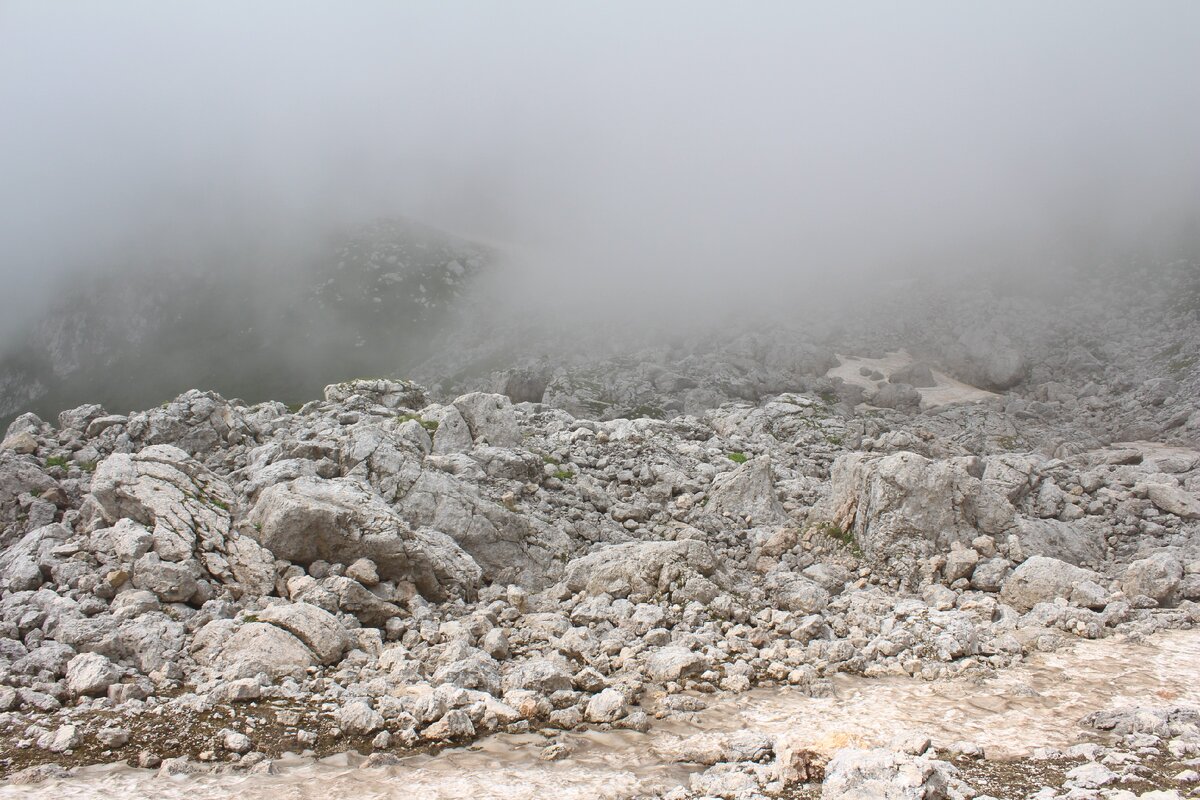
{"x": 21, "y": 563}
{"x": 675, "y": 663}
{"x": 896, "y": 395}
{"x": 639, "y": 570}
{"x": 317, "y": 628}
{"x": 490, "y": 418}
{"x": 168, "y": 492}
{"x": 987, "y": 359}
{"x": 1013, "y": 475}
{"x": 1042, "y": 580}
{"x": 310, "y": 519}
{"x": 1158, "y": 577}
{"x": 22, "y": 443}
{"x": 902, "y": 507}
{"x": 1174, "y": 500}
{"x": 879, "y": 774}
{"x": 170, "y": 581}
{"x": 748, "y": 494}
{"x": 717, "y": 747}
{"x": 19, "y": 475}
{"x": 477, "y": 670}
{"x": 199, "y": 423}
{"x": 608, "y": 705}
{"x": 793, "y": 592}
{"x": 509, "y": 547}
{"x": 246, "y": 650}
{"x": 453, "y": 435}
{"x": 1075, "y": 543}
{"x": 385, "y": 455}
{"x": 538, "y": 675}
{"x": 917, "y": 374}
{"x": 91, "y": 674}
{"x": 357, "y": 718}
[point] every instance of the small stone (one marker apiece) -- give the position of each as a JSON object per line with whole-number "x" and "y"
{"x": 607, "y": 706}
{"x": 454, "y": 725}
{"x": 239, "y": 691}
{"x": 113, "y": 737}
{"x": 555, "y": 752}
{"x": 358, "y": 719}
{"x": 364, "y": 571}
{"x": 235, "y": 742}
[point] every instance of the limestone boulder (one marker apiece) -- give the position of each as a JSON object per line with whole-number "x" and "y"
{"x": 639, "y": 570}
{"x": 310, "y": 519}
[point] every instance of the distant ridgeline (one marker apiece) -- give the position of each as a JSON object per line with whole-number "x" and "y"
{"x": 365, "y": 303}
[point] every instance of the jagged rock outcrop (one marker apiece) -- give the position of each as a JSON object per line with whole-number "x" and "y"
{"x": 187, "y": 513}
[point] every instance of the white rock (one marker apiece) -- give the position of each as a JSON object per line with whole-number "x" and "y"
{"x": 235, "y": 742}
{"x": 1041, "y": 580}
{"x": 675, "y": 663}
{"x": 607, "y": 706}
{"x": 316, "y": 627}
{"x": 357, "y": 718}
{"x": 91, "y": 674}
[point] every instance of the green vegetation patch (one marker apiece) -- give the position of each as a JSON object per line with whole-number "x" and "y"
{"x": 737, "y": 457}
{"x": 840, "y": 535}
{"x": 652, "y": 412}
{"x": 428, "y": 424}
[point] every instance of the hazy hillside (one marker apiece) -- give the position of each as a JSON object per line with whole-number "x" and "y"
{"x": 365, "y": 302}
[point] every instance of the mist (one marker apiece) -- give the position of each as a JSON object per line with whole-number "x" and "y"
{"x": 672, "y": 157}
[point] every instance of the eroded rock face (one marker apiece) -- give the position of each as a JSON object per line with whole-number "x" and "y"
{"x": 188, "y": 514}
{"x": 385, "y": 392}
{"x": 310, "y": 519}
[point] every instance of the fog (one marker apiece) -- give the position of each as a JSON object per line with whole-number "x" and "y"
{"x": 669, "y": 156}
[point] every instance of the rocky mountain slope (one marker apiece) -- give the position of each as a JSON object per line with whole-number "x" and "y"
{"x": 544, "y": 544}
{"x": 252, "y": 324}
